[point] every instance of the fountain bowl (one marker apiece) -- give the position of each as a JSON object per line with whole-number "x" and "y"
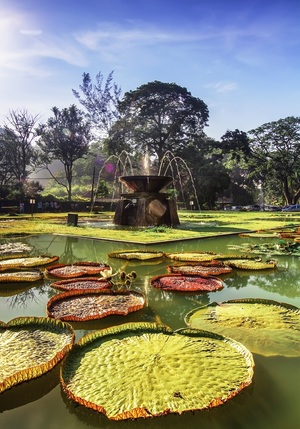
{"x": 146, "y": 183}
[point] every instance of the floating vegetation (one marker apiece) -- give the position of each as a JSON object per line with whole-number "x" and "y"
{"x": 200, "y": 270}
{"x": 191, "y": 256}
{"x": 81, "y": 305}
{"x": 21, "y": 276}
{"x": 27, "y": 262}
{"x": 248, "y": 264}
{"x": 145, "y": 370}
{"x": 30, "y": 347}
{"x": 82, "y": 283}
{"x": 282, "y": 247}
{"x": 78, "y": 269}
{"x": 265, "y": 327}
{"x": 142, "y": 255}
{"x": 187, "y": 283}
{"x": 10, "y": 250}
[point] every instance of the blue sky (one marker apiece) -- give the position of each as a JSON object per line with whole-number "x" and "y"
{"x": 242, "y": 58}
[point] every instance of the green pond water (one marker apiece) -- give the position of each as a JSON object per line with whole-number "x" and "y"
{"x": 271, "y": 402}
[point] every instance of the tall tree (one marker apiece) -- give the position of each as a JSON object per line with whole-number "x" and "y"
{"x": 158, "y": 117}
{"x": 275, "y": 155}
{"x": 100, "y": 100}
{"x": 272, "y": 154}
{"x": 17, "y": 152}
{"x": 65, "y": 137}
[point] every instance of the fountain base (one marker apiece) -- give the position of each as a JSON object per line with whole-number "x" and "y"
{"x": 146, "y": 206}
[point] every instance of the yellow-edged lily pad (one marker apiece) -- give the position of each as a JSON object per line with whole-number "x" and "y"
{"x": 266, "y": 327}
{"x": 145, "y": 370}
{"x": 30, "y": 347}
{"x": 138, "y": 254}
{"x": 27, "y": 262}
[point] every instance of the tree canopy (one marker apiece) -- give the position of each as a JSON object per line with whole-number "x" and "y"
{"x": 65, "y": 137}
{"x": 158, "y": 117}
{"x": 100, "y": 100}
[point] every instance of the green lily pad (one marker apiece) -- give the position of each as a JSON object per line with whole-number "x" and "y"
{"x": 146, "y": 370}
{"x": 30, "y": 347}
{"x": 264, "y": 326}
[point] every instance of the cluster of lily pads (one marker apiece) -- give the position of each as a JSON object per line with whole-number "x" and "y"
{"x": 118, "y": 371}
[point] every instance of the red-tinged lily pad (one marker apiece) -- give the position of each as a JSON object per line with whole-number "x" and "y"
{"x": 82, "y": 283}
{"x": 187, "y": 283}
{"x": 30, "y": 347}
{"x": 78, "y": 269}
{"x": 264, "y": 326}
{"x": 200, "y": 270}
{"x": 145, "y": 370}
{"x": 80, "y": 306}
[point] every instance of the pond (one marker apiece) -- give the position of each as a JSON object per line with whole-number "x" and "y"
{"x": 272, "y": 401}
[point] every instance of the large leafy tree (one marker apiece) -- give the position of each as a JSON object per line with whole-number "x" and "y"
{"x": 275, "y": 155}
{"x": 100, "y": 100}
{"x": 157, "y": 117}
{"x": 272, "y": 155}
{"x": 65, "y": 137}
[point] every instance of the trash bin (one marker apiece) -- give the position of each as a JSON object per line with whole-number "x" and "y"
{"x": 72, "y": 219}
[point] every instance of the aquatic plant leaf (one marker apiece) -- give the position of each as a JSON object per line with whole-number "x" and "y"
{"x": 21, "y": 276}
{"x": 264, "y": 326}
{"x": 90, "y": 305}
{"x": 191, "y": 256}
{"x": 31, "y": 346}
{"x": 78, "y": 269}
{"x": 138, "y": 254}
{"x": 246, "y": 264}
{"x": 145, "y": 370}
{"x": 201, "y": 270}
{"x": 14, "y": 249}
{"x": 187, "y": 283}
{"x": 27, "y": 262}
{"x": 82, "y": 283}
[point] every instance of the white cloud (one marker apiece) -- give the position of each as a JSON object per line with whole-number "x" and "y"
{"x": 223, "y": 86}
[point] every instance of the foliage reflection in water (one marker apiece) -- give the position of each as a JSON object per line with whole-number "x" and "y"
{"x": 270, "y": 402}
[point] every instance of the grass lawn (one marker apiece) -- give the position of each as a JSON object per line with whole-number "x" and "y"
{"x": 193, "y": 224}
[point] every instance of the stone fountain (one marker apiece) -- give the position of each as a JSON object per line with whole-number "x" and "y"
{"x": 146, "y": 205}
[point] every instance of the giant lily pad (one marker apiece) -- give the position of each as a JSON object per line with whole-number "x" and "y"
{"x": 78, "y": 269}
{"x": 82, "y": 283}
{"x": 142, "y": 255}
{"x": 31, "y": 346}
{"x": 200, "y": 270}
{"x": 266, "y": 327}
{"x": 251, "y": 264}
{"x": 14, "y": 249}
{"x": 21, "y": 276}
{"x": 187, "y": 283}
{"x": 191, "y": 256}
{"x": 146, "y": 370}
{"x": 81, "y": 305}
{"x": 27, "y": 262}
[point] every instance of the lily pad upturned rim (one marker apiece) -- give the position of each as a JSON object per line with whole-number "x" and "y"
{"x": 40, "y": 369}
{"x": 139, "y": 330}
{"x": 82, "y": 293}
